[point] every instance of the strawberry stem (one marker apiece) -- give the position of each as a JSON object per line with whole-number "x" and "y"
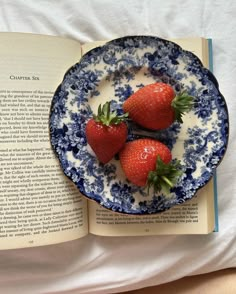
{"x": 164, "y": 176}
{"x": 108, "y": 117}
{"x": 169, "y": 183}
{"x": 182, "y": 103}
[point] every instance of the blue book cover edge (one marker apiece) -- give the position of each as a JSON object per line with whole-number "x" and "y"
{"x": 210, "y": 57}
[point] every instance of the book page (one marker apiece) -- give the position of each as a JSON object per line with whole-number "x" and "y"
{"x": 188, "y": 218}
{"x": 193, "y": 217}
{"x": 38, "y": 204}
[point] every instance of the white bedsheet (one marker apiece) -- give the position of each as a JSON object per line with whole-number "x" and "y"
{"x": 110, "y": 265}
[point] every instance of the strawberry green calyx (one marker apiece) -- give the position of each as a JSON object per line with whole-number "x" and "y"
{"x": 108, "y": 117}
{"x": 165, "y": 175}
{"x": 182, "y": 103}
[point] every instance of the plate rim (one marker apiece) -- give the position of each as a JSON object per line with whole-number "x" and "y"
{"x": 110, "y": 42}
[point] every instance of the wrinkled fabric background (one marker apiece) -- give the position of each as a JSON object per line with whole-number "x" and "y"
{"x": 110, "y": 265}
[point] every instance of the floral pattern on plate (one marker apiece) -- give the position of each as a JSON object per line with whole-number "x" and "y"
{"x": 113, "y": 72}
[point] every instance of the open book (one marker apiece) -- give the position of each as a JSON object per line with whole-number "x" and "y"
{"x": 38, "y": 204}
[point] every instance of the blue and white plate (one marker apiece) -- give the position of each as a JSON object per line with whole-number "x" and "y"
{"x": 113, "y": 72}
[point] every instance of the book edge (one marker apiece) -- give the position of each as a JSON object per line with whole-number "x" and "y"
{"x": 210, "y": 60}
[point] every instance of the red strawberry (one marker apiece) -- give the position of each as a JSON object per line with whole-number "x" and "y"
{"x": 156, "y": 106}
{"x": 106, "y": 133}
{"x": 148, "y": 162}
